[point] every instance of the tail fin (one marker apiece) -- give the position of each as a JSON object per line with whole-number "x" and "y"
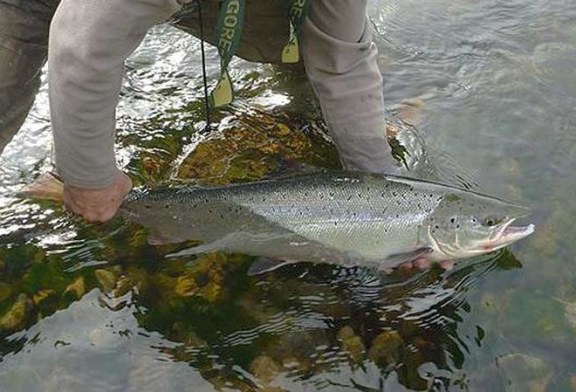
{"x": 46, "y": 187}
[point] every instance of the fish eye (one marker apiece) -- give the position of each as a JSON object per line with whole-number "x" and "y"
{"x": 491, "y": 221}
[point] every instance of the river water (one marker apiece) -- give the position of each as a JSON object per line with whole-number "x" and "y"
{"x": 95, "y": 308}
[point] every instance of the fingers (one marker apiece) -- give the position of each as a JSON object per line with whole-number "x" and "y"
{"x": 447, "y": 265}
{"x": 97, "y": 205}
{"x": 418, "y": 265}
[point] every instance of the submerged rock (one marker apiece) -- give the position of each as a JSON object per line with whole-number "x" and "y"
{"x": 253, "y": 145}
{"x": 351, "y": 343}
{"x": 77, "y": 288}
{"x": 16, "y": 316}
{"x": 107, "y": 279}
{"x": 385, "y": 347}
{"x": 266, "y": 370}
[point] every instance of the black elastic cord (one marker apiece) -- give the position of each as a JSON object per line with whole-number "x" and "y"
{"x": 204, "y": 76}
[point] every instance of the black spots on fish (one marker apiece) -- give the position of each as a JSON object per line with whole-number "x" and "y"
{"x": 331, "y": 194}
{"x": 166, "y": 205}
{"x": 147, "y": 206}
{"x": 383, "y": 195}
{"x": 321, "y": 196}
{"x": 349, "y": 198}
{"x": 397, "y": 216}
{"x": 394, "y": 193}
{"x": 452, "y": 220}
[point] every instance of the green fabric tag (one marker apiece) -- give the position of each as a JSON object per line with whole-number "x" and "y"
{"x": 298, "y": 10}
{"x": 228, "y": 33}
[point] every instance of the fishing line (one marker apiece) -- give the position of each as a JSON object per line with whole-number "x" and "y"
{"x": 204, "y": 76}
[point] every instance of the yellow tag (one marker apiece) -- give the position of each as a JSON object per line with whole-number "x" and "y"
{"x": 291, "y": 52}
{"x": 222, "y": 93}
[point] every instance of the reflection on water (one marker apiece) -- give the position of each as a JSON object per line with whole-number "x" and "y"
{"x": 94, "y": 307}
{"x": 314, "y": 325}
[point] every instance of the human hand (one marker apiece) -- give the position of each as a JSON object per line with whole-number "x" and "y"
{"x": 97, "y": 205}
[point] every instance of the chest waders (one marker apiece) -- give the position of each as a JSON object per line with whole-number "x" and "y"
{"x": 228, "y": 32}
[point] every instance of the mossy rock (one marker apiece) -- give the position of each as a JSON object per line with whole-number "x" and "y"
{"x": 255, "y": 144}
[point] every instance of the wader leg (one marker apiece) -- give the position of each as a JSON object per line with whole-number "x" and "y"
{"x": 341, "y": 63}
{"x": 24, "y": 26}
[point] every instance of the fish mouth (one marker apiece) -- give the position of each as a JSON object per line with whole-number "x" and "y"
{"x": 507, "y": 234}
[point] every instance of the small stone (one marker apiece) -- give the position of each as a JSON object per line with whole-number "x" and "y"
{"x": 42, "y": 295}
{"x": 385, "y": 347}
{"x": 78, "y": 288}
{"x": 355, "y": 347}
{"x": 14, "y": 318}
{"x": 345, "y": 333}
{"x": 265, "y": 369}
{"x": 186, "y": 286}
{"x": 107, "y": 279}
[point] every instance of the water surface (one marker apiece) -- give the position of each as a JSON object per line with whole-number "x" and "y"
{"x": 95, "y": 308}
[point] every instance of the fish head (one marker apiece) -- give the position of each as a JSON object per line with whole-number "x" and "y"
{"x": 466, "y": 224}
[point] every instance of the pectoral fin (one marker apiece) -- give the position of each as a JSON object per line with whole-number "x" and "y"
{"x": 267, "y": 264}
{"x": 400, "y": 258}
{"x": 156, "y": 239}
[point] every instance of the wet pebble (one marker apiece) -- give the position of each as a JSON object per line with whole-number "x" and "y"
{"x": 107, "y": 279}
{"x": 265, "y": 369}
{"x": 16, "y": 315}
{"x": 42, "y": 295}
{"x": 351, "y": 343}
{"x": 385, "y": 347}
{"x": 77, "y": 288}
